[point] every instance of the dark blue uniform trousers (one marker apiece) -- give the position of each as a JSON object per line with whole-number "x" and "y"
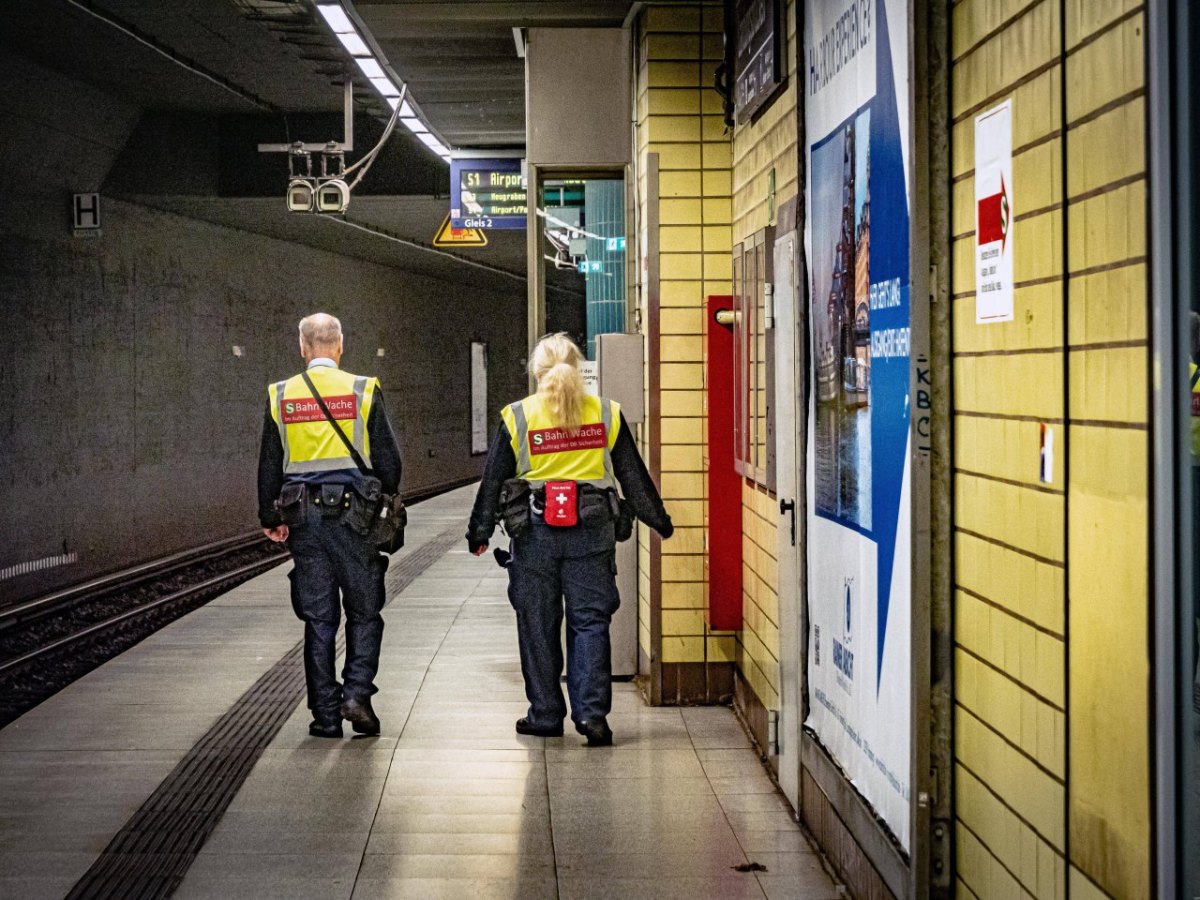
{"x": 330, "y": 559}
{"x": 579, "y": 564}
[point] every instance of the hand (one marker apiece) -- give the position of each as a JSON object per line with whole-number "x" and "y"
{"x": 482, "y": 550}
{"x": 278, "y": 534}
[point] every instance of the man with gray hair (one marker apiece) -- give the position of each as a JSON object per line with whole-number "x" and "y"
{"x": 328, "y": 455}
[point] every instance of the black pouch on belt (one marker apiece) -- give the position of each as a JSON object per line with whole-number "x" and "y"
{"x": 622, "y": 516}
{"x": 332, "y": 499}
{"x": 387, "y": 529}
{"x": 594, "y": 508}
{"x": 290, "y": 504}
{"x": 514, "y": 506}
{"x": 365, "y": 497}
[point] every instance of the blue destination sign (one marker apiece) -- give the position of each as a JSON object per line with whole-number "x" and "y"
{"x": 487, "y": 193}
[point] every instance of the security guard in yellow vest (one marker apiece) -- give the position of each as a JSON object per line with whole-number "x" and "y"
{"x": 311, "y": 490}
{"x": 557, "y": 461}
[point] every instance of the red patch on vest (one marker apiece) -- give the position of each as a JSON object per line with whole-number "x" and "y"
{"x": 1195, "y": 404}
{"x": 304, "y": 409}
{"x": 556, "y": 440}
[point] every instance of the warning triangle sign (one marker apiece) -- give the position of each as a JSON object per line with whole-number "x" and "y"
{"x": 459, "y": 237}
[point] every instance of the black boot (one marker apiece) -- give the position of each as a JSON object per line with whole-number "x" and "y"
{"x": 325, "y": 729}
{"x": 596, "y": 731}
{"x": 360, "y": 716}
{"x": 523, "y": 727}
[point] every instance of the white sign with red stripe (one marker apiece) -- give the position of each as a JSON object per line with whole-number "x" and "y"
{"x": 556, "y": 440}
{"x": 306, "y": 409}
{"x": 994, "y": 215}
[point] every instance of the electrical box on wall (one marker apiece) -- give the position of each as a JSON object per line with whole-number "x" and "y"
{"x": 620, "y": 361}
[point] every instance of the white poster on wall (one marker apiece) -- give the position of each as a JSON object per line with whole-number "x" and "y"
{"x": 479, "y": 397}
{"x": 859, "y": 512}
{"x": 993, "y": 215}
{"x": 591, "y": 377}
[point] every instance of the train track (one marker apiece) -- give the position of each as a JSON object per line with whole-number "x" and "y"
{"x": 47, "y": 643}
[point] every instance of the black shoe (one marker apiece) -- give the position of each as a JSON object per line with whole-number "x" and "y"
{"x": 321, "y": 728}
{"x": 597, "y": 732}
{"x": 523, "y": 727}
{"x": 360, "y": 716}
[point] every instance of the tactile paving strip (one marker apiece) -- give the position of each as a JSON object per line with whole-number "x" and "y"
{"x": 149, "y": 857}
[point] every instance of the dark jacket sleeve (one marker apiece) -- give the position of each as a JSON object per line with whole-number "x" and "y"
{"x": 385, "y": 451}
{"x": 501, "y": 465}
{"x": 636, "y": 484}
{"x": 270, "y": 472}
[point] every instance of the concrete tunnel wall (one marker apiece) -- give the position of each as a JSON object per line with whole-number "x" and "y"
{"x": 130, "y": 429}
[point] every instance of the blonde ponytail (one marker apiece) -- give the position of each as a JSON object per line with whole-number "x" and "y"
{"x": 555, "y": 365}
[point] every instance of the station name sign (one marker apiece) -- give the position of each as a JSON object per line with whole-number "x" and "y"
{"x": 487, "y": 193}
{"x": 757, "y": 65}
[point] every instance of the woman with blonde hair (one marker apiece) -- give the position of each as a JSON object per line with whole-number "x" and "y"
{"x": 552, "y": 475}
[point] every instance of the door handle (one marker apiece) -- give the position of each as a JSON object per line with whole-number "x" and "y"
{"x": 789, "y": 506}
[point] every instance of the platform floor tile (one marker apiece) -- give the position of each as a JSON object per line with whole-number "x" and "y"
{"x": 449, "y": 802}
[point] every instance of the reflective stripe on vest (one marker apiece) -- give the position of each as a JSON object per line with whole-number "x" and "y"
{"x": 525, "y": 467}
{"x": 309, "y": 444}
{"x": 518, "y": 411}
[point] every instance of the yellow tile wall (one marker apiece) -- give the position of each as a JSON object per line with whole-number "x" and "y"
{"x": 766, "y": 144}
{"x": 1052, "y": 578}
{"x": 678, "y": 116}
{"x": 758, "y": 642}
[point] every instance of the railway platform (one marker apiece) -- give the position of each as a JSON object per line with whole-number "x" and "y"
{"x": 183, "y": 768}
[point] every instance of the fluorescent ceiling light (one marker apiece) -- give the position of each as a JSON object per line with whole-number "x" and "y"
{"x": 433, "y": 144}
{"x": 406, "y": 111}
{"x": 370, "y": 67}
{"x": 336, "y": 17}
{"x": 353, "y": 43}
{"x": 416, "y": 126}
{"x": 385, "y": 87}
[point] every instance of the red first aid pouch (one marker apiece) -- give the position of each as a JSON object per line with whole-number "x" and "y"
{"x": 562, "y": 503}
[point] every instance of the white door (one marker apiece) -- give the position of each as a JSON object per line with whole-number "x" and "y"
{"x": 789, "y": 412}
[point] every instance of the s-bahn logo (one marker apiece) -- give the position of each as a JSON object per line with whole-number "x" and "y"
{"x": 843, "y": 656}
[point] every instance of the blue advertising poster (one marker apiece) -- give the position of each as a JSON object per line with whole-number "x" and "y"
{"x": 855, "y": 56}
{"x": 487, "y": 193}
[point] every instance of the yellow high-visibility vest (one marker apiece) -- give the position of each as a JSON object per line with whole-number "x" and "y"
{"x": 309, "y": 443}
{"x": 546, "y": 452}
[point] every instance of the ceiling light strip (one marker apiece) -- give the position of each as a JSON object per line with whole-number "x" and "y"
{"x": 353, "y": 35}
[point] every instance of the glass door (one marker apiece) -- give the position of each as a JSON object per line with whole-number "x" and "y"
{"x": 583, "y": 256}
